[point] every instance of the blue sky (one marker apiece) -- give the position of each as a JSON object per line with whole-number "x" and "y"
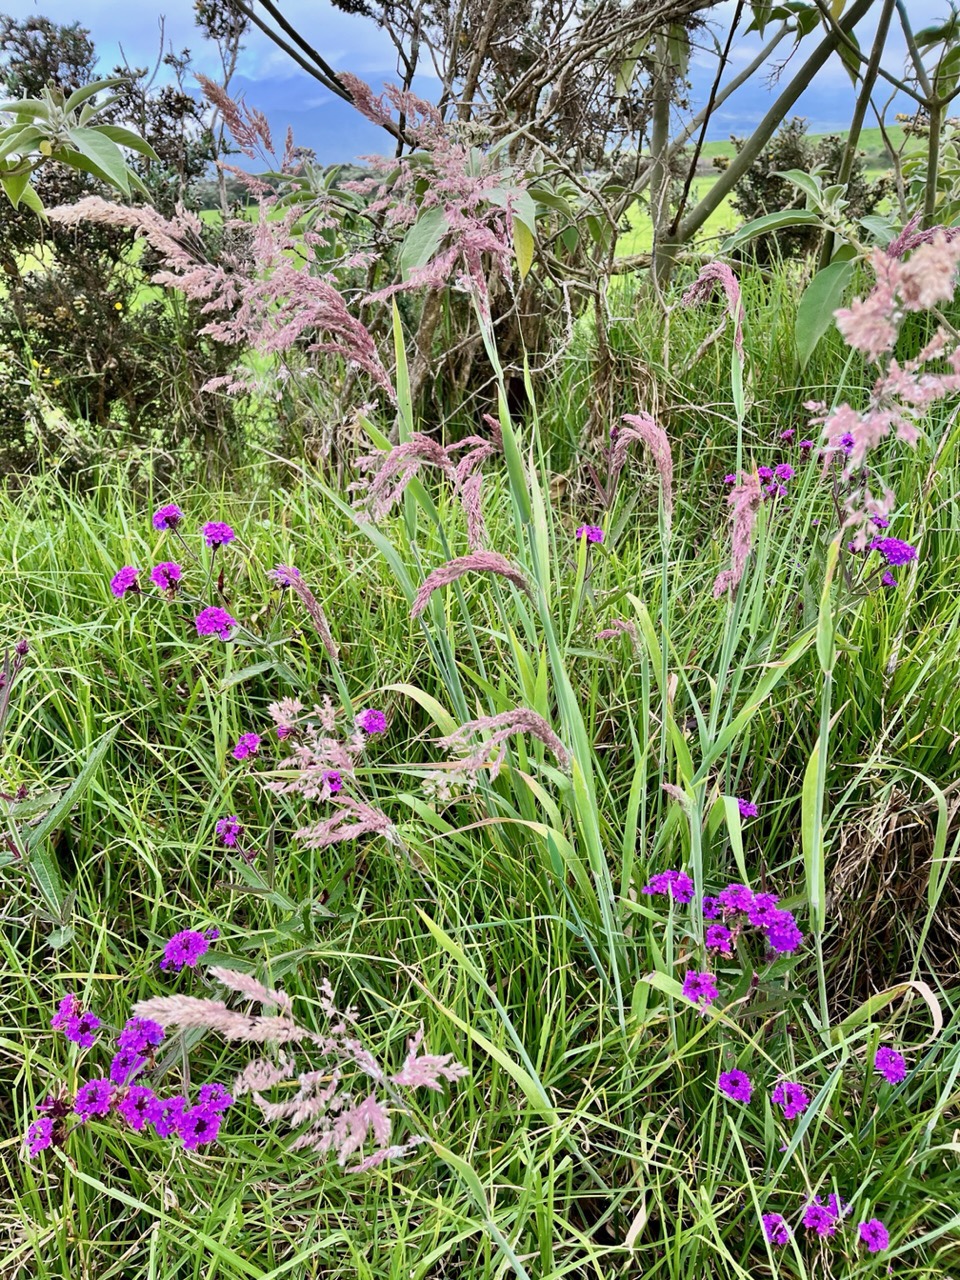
{"x": 270, "y": 81}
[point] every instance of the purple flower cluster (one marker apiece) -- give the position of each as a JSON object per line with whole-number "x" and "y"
{"x": 166, "y": 575}
{"x": 874, "y": 1235}
{"x": 75, "y": 1023}
{"x": 229, "y": 830}
{"x": 185, "y": 948}
{"x": 214, "y": 621}
{"x": 125, "y": 580}
{"x": 217, "y": 534}
{"x": 137, "y": 1104}
{"x": 700, "y": 988}
{"x": 672, "y": 884}
{"x": 167, "y": 517}
{"x": 371, "y": 721}
{"x": 747, "y": 808}
{"x": 592, "y": 532}
{"x": 736, "y": 1085}
{"x": 776, "y": 478}
{"x": 791, "y": 1098}
{"x": 891, "y": 1065}
{"x": 738, "y": 907}
{"x": 894, "y": 551}
{"x": 775, "y": 1228}
{"x": 823, "y": 1217}
{"x": 248, "y": 744}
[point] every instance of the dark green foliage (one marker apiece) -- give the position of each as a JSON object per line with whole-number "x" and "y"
{"x": 94, "y": 358}
{"x": 761, "y": 190}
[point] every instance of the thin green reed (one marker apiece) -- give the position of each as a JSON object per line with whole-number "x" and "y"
{"x": 533, "y": 522}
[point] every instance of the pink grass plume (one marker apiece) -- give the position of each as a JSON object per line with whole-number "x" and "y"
{"x": 641, "y": 427}
{"x": 476, "y": 562}
{"x": 744, "y": 500}
{"x": 503, "y": 727}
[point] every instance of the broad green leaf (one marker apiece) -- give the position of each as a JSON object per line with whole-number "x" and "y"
{"x": 808, "y": 183}
{"x": 770, "y": 222}
{"x": 103, "y": 153}
{"x": 821, "y": 298}
{"x": 866, "y": 1011}
{"x": 38, "y": 834}
{"x": 422, "y": 241}
{"x": 825, "y": 629}
{"x": 811, "y": 837}
{"x": 45, "y": 874}
{"x": 440, "y": 717}
{"x": 127, "y": 138}
{"x": 79, "y": 96}
{"x": 20, "y": 140}
{"x": 14, "y": 185}
{"x": 523, "y": 245}
{"x": 29, "y": 197}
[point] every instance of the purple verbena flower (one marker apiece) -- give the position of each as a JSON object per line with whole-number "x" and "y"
{"x": 592, "y": 532}
{"x": 793, "y": 1099}
{"x": 700, "y": 988}
{"x": 215, "y": 1096}
{"x": 214, "y": 621}
{"x": 783, "y": 471}
{"x": 711, "y": 908}
{"x": 736, "y": 1085}
{"x": 69, "y": 1007}
{"x": 40, "y": 1136}
{"x": 788, "y": 434}
{"x": 880, "y": 521}
{"x": 332, "y": 782}
{"x": 248, "y": 744}
{"x": 874, "y": 1235}
{"x": 166, "y": 1121}
{"x": 775, "y": 1228}
{"x": 807, "y": 445}
{"x": 140, "y": 1034}
{"x": 75, "y": 1023}
{"x": 762, "y": 909}
{"x": 782, "y": 931}
{"x": 765, "y": 473}
{"x": 846, "y": 442}
{"x": 229, "y": 830}
{"x": 126, "y": 1065}
{"x": 719, "y": 938}
{"x": 198, "y": 1125}
{"x": 891, "y": 1065}
{"x": 56, "y": 1106}
{"x": 818, "y": 1218}
{"x": 894, "y": 551}
{"x": 888, "y": 580}
{"x": 81, "y": 1029}
{"x": 93, "y": 1099}
{"x": 736, "y": 898}
{"x": 672, "y": 884}
{"x": 167, "y": 517}
{"x": 731, "y": 478}
{"x": 284, "y": 730}
{"x": 124, "y": 580}
{"x": 747, "y": 808}
{"x": 217, "y": 534}
{"x": 284, "y": 574}
{"x": 166, "y": 575}
{"x": 140, "y": 1106}
{"x": 372, "y": 721}
{"x": 184, "y": 950}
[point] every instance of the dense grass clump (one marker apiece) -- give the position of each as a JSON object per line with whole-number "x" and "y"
{"x": 690, "y": 932}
